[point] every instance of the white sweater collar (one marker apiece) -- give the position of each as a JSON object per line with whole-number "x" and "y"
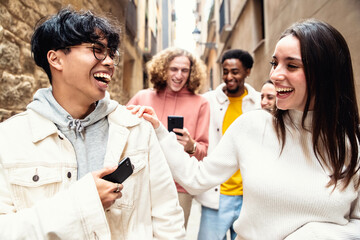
{"x": 296, "y": 117}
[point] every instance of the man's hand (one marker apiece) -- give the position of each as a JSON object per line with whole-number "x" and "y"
{"x": 185, "y": 140}
{"x": 108, "y": 191}
{"x": 147, "y": 112}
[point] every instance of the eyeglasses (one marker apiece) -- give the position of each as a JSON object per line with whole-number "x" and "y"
{"x": 101, "y": 52}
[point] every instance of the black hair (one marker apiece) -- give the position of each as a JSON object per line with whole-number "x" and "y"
{"x": 268, "y": 81}
{"x": 330, "y": 82}
{"x": 244, "y": 57}
{"x": 69, "y": 28}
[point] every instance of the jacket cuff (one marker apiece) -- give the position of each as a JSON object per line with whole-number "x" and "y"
{"x": 91, "y": 211}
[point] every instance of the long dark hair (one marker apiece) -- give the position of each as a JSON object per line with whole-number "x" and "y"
{"x": 329, "y": 78}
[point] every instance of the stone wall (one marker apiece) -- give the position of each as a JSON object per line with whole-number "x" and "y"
{"x": 19, "y": 76}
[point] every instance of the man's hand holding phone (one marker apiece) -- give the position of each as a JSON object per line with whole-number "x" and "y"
{"x": 176, "y": 125}
{"x": 109, "y": 191}
{"x": 123, "y": 171}
{"x": 186, "y": 140}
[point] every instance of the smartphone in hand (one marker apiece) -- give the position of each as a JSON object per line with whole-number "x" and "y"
{"x": 123, "y": 171}
{"x": 175, "y": 122}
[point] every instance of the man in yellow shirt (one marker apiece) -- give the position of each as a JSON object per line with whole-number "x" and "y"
{"x": 221, "y": 205}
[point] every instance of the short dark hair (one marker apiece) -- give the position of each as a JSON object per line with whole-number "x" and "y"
{"x": 68, "y": 28}
{"x": 244, "y": 57}
{"x": 268, "y": 81}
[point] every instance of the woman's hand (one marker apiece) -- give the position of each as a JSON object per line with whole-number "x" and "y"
{"x": 147, "y": 112}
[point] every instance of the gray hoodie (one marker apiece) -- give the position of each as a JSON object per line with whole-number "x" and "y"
{"x": 88, "y": 136}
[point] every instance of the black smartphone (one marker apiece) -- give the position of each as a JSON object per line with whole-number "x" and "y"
{"x": 123, "y": 171}
{"x": 175, "y": 122}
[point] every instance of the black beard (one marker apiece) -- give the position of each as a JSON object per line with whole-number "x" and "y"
{"x": 236, "y": 90}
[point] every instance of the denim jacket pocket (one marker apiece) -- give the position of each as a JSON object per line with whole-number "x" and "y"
{"x": 120, "y": 214}
{"x": 132, "y": 184}
{"x": 138, "y": 162}
{"x": 31, "y": 184}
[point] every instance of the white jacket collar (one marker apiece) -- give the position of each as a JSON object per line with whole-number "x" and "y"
{"x": 123, "y": 117}
{"x": 252, "y": 96}
{"x": 42, "y": 127}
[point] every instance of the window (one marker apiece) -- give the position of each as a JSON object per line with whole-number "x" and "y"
{"x": 224, "y": 15}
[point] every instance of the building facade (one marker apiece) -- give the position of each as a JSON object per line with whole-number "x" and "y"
{"x": 149, "y": 29}
{"x": 255, "y": 26}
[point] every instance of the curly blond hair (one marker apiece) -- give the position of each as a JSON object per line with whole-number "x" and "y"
{"x": 158, "y": 67}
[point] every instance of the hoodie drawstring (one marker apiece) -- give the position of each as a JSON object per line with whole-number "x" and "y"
{"x": 76, "y": 126}
{"x": 164, "y": 102}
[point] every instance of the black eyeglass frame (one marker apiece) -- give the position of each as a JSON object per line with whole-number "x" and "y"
{"x": 99, "y": 50}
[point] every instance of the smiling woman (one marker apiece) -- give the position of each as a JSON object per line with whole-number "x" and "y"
{"x": 268, "y": 96}
{"x": 288, "y": 74}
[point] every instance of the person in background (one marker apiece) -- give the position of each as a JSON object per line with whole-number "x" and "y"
{"x": 300, "y": 166}
{"x": 176, "y": 75}
{"x": 53, "y": 156}
{"x": 268, "y": 96}
{"x": 222, "y": 204}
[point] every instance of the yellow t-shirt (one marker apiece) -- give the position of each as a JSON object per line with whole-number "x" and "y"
{"x": 233, "y": 186}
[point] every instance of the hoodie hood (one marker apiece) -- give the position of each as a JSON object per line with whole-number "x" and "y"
{"x": 45, "y": 104}
{"x": 90, "y": 147}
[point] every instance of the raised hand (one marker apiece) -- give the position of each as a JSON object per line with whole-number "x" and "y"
{"x": 147, "y": 112}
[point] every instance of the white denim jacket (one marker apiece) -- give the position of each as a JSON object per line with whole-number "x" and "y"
{"x": 40, "y": 197}
{"x": 219, "y": 103}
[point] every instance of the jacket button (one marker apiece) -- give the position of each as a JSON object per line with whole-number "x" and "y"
{"x": 35, "y": 178}
{"x": 61, "y": 137}
{"x": 216, "y": 189}
{"x": 217, "y": 129}
{"x": 69, "y": 174}
{"x": 220, "y": 109}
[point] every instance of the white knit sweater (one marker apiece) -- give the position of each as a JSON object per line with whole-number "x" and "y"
{"x": 285, "y": 195}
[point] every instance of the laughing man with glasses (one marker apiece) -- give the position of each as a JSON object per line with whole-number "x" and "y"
{"x": 53, "y": 157}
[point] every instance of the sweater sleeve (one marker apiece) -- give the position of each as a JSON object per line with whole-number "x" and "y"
{"x": 331, "y": 231}
{"x": 75, "y": 213}
{"x": 198, "y": 176}
{"x": 202, "y": 131}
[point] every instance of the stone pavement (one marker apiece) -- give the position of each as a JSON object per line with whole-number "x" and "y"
{"x": 194, "y": 222}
